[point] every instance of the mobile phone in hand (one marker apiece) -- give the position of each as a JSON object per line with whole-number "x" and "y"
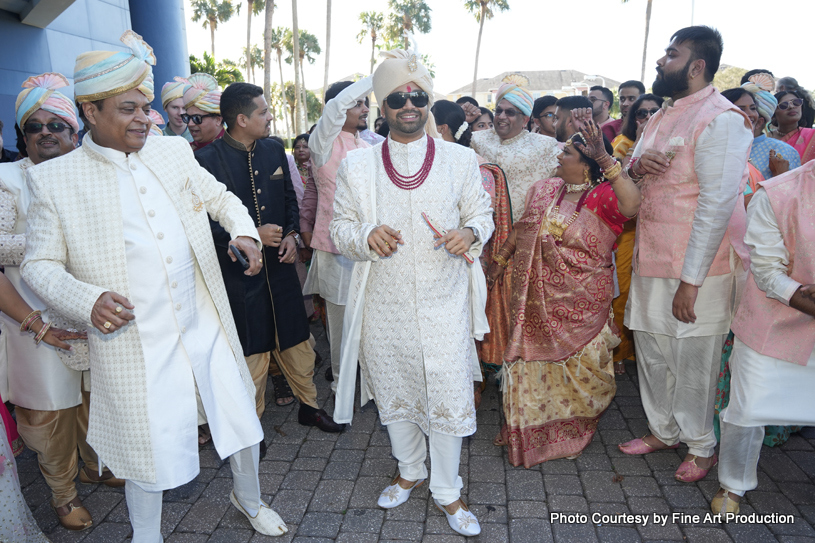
{"x": 240, "y": 255}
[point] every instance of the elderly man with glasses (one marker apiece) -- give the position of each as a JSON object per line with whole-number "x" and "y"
{"x": 525, "y": 159}
{"x": 202, "y": 101}
{"x": 413, "y": 215}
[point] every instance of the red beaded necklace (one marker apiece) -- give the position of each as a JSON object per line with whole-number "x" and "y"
{"x": 414, "y": 181}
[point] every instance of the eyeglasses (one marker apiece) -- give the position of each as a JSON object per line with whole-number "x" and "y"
{"x": 643, "y": 113}
{"x": 197, "y": 119}
{"x": 790, "y": 103}
{"x": 511, "y": 113}
{"x": 547, "y": 115}
{"x": 36, "y": 128}
{"x": 593, "y": 99}
{"x": 397, "y": 100}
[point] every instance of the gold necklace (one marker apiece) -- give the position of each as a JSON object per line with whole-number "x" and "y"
{"x": 570, "y": 188}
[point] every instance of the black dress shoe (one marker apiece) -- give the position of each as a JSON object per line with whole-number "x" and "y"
{"x": 320, "y": 419}
{"x": 262, "y": 449}
{"x": 329, "y": 374}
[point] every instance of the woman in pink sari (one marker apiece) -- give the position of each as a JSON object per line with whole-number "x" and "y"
{"x": 558, "y": 375}
{"x": 787, "y": 119}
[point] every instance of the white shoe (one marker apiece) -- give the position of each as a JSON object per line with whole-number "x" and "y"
{"x": 266, "y": 522}
{"x": 462, "y": 521}
{"x": 395, "y": 495}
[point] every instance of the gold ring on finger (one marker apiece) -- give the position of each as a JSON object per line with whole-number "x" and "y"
{"x": 118, "y": 309}
{"x": 107, "y": 325}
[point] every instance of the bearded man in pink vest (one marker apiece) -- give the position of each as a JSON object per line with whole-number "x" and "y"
{"x": 773, "y": 361}
{"x": 345, "y": 114}
{"x": 689, "y": 255}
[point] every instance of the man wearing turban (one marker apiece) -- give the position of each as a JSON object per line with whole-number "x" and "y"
{"x": 133, "y": 260}
{"x": 202, "y": 101}
{"x": 766, "y": 151}
{"x": 52, "y": 408}
{"x": 172, "y": 100}
{"x": 413, "y": 215}
{"x": 525, "y": 159}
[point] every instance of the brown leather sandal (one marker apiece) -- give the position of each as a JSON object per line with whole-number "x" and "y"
{"x": 107, "y": 478}
{"x": 73, "y": 515}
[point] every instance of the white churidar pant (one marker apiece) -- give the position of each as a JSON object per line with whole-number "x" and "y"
{"x": 678, "y": 386}
{"x": 408, "y": 445}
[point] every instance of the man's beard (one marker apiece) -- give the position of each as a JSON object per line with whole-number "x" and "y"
{"x": 672, "y": 83}
{"x": 561, "y": 133}
{"x": 407, "y": 128}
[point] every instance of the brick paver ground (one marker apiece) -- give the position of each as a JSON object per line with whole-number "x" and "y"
{"x": 325, "y": 487}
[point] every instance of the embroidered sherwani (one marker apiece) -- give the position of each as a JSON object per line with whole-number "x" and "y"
{"x": 409, "y": 314}
{"x": 138, "y": 225}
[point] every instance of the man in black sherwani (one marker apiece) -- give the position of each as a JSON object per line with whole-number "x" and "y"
{"x": 268, "y": 308}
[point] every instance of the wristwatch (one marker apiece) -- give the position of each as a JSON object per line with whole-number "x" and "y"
{"x": 475, "y": 234}
{"x": 296, "y": 237}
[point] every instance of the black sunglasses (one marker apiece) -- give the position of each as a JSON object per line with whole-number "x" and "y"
{"x": 197, "y": 119}
{"x": 509, "y": 112}
{"x": 397, "y": 100}
{"x": 643, "y": 113}
{"x": 36, "y": 128}
{"x": 790, "y": 103}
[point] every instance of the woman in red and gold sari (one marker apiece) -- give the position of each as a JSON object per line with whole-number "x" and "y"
{"x": 558, "y": 375}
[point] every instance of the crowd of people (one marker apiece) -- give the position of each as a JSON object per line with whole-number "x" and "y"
{"x": 167, "y": 274}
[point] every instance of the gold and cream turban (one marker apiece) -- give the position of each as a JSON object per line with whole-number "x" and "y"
{"x": 102, "y": 74}
{"x": 398, "y": 68}
{"x": 761, "y": 85}
{"x": 40, "y": 92}
{"x": 173, "y": 90}
{"x": 202, "y": 91}
{"x": 157, "y": 120}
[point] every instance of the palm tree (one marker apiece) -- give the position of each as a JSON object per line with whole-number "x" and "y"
{"x": 213, "y": 12}
{"x": 255, "y": 56}
{"x": 372, "y": 23}
{"x": 483, "y": 10}
{"x": 308, "y": 46}
{"x": 407, "y": 17}
{"x": 276, "y": 38}
{"x": 647, "y": 29}
{"x": 275, "y": 104}
{"x": 225, "y": 72}
{"x": 327, "y": 45}
{"x": 254, "y": 8}
{"x": 296, "y": 53}
{"x": 267, "y": 52}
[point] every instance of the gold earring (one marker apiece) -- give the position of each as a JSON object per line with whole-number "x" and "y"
{"x": 586, "y": 176}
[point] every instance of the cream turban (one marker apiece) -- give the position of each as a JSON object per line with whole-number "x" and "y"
{"x": 39, "y": 92}
{"x": 202, "y": 91}
{"x": 398, "y": 68}
{"x": 761, "y": 86}
{"x": 173, "y": 90}
{"x": 102, "y": 74}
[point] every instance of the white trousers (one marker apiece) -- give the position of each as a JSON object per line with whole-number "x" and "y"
{"x": 678, "y": 387}
{"x": 409, "y": 448}
{"x": 738, "y": 457}
{"x": 335, "y": 315}
{"x": 145, "y": 507}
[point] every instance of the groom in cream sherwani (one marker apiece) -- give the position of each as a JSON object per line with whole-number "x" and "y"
{"x": 119, "y": 238}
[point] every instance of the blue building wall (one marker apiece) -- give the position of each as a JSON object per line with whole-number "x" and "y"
{"x": 85, "y": 26}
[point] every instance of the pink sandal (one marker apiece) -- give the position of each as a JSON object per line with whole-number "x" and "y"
{"x": 689, "y": 472}
{"x": 639, "y": 446}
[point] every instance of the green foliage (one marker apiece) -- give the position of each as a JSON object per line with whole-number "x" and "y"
{"x": 406, "y": 17}
{"x": 309, "y": 46}
{"x": 477, "y": 7}
{"x": 372, "y": 24}
{"x": 213, "y": 12}
{"x": 728, "y": 78}
{"x": 226, "y": 71}
{"x": 314, "y": 105}
{"x": 255, "y": 57}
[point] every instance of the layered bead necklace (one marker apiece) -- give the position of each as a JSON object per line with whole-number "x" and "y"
{"x": 409, "y": 182}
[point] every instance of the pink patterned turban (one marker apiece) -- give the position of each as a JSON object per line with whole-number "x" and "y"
{"x": 173, "y": 90}
{"x": 157, "y": 120}
{"x": 202, "y": 91}
{"x": 40, "y": 92}
{"x": 516, "y": 96}
{"x": 102, "y": 74}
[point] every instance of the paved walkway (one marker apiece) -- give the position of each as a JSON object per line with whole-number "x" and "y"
{"x": 325, "y": 487}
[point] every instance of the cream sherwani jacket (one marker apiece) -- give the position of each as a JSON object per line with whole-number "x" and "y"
{"x": 76, "y": 252}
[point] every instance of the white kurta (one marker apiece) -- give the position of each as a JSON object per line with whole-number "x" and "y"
{"x": 415, "y": 341}
{"x": 37, "y": 378}
{"x": 182, "y": 338}
{"x": 719, "y": 166}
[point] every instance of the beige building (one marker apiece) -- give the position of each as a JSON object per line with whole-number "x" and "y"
{"x": 558, "y": 83}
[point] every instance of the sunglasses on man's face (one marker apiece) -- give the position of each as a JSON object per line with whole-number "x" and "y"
{"x": 509, "y": 112}
{"x": 397, "y": 100}
{"x": 790, "y": 103}
{"x": 643, "y": 113}
{"x": 36, "y": 128}
{"x": 197, "y": 119}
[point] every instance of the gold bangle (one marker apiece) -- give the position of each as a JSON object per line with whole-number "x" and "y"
{"x": 500, "y": 260}
{"x": 613, "y": 172}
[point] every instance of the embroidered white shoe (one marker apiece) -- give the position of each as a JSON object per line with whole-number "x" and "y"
{"x": 266, "y": 522}
{"x": 462, "y": 521}
{"x": 394, "y": 495}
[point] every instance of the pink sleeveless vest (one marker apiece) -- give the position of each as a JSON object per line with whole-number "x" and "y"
{"x": 326, "y": 180}
{"x": 766, "y": 325}
{"x": 669, "y": 201}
